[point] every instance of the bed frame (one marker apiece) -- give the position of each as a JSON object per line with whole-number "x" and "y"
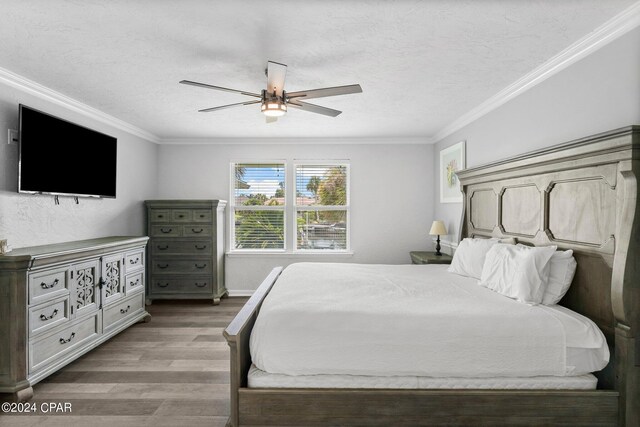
{"x": 582, "y": 195}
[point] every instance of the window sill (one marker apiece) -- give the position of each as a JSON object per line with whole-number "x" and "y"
{"x": 287, "y": 254}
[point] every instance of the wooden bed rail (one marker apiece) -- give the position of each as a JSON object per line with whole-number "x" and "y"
{"x": 237, "y": 335}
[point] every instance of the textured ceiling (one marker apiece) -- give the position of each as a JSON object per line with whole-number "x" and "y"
{"x": 421, "y": 64}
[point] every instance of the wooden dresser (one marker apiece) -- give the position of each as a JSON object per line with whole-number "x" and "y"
{"x": 186, "y": 250}
{"x": 59, "y": 301}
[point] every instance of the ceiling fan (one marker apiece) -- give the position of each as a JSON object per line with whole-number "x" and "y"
{"x": 274, "y": 100}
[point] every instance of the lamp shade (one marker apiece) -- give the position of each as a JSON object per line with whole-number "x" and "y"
{"x": 438, "y": 229}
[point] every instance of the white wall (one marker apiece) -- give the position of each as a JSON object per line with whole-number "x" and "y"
{"x": 391, "y": 197}
{"x": 27, "y": 220}
{"x": 598, "y": 93}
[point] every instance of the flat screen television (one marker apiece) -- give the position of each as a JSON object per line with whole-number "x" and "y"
{"x": 62, "y": 158}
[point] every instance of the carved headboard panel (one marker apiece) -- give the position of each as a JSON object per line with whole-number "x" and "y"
{"x": 581, "y": 195}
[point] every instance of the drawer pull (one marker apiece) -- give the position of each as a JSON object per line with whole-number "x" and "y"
{"x": 125, "y": 310}
{"x": 201, "y": 265}
{"x": 193, "y": 230}
{"x": 45, "y": 318}
{"x": 63, "y": 341}
{"x": 201, "y": 247}
{"x": 162, "y": 285}
{"x": 163, "y": 248}
{"x": 160, "y": 216}
{"x": 202, "y": 215}
{"x": 201, "y": 285}
{"x": 166, "y": 230}
{"x": 163, "y": 265}
{"x": 180, "y": 216}
{"x": 45, "y": 286}
{"x": 134, "y": 283}
{"x": 134, "y": 261}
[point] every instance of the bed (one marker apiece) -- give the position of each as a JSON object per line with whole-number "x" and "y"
{"x": 581, "y": 195}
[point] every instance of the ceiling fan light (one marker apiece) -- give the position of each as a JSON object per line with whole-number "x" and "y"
{"x": 274, "y": 109}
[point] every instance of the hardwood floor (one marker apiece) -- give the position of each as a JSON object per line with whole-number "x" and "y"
{"x": 172, "y": 371}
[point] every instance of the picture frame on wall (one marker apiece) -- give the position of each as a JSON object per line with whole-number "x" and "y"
{"x": 452, "y": 159}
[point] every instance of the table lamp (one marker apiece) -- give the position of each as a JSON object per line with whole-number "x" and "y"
{"x": 438, "y": 229}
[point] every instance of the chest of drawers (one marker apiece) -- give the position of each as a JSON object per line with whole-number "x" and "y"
{"x": 186, "y": 249}
{"x": 59, "y": 301}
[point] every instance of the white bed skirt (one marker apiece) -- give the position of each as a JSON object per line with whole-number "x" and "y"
{"x": 261, "y": 379}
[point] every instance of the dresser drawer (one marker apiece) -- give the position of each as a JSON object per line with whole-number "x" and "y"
{"x": 134, "y": 261}
{"x": 196, "y": 230}
{"x": 122, "y": 310}
{"x": 47, "y": 284}
{"x": 181, "y": 285}
{"x": 134, "y": 282}
{"x": 174, "y": 266}
{"x": 48, "y": 348}
{"x": 46, "y": 316}
{"x": 166, "y": 230}
{"x": 201, "y": 215}
{"x": 173, "y": 247}
{"x": 160, "y": 215}
{"x": 181, "y": 215}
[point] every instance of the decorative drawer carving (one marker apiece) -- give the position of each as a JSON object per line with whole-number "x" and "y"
{"x": 134, "y": 261}
{"x": 47, "y": 284}
{"x": 134, "y": 282}
{"x": 180, "y": 266}
{"x": 183, "y": 285}
{"x": 162, "y": 247}
{"x": 46, "y": 316}
{"x": 123, "y": 310}
{"x": 49, "y": 348}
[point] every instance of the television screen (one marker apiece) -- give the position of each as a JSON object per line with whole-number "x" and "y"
{"x": 61, "y": 158}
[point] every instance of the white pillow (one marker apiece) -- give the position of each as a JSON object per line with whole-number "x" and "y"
{"x": 517, "y": 271}
{"x": 468, "y": 258}
{"x": 562, "y": 269}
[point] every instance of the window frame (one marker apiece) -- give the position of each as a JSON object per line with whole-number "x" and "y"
{"x": 295, "y": 208}
{"x": 290, "y": 209}
{"x": 233, "y": 207}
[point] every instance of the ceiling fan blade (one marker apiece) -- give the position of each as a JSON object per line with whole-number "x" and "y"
{"x": 222, "y": 107}
{"x": 327, "y": 91}
{"x": 189, "y": 82}
{"x": 271, "y": 119}
{"x": 276, "y": 74}
{"x": 313, "y": 108}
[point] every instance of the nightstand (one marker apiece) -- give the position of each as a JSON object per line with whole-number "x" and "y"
{"x": 421, "y": 257}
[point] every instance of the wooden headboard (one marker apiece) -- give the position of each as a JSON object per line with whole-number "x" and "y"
{"x": 582, "y": 195}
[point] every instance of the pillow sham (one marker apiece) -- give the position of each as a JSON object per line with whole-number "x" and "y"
{"x": 517, "y": 271}
{"x": 468, "y": 258}
{"x": 562, "y": 269}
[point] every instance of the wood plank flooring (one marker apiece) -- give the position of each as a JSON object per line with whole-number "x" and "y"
{"x": 172, "y": 371}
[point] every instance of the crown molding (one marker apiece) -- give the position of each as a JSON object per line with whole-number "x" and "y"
{"x": 606, "y": 33}
{"x": 42, "y": 92}
{"x": 297, "y": 141}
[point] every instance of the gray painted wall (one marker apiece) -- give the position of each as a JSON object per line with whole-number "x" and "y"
{"x": 391, "y": 197}
{"x": 598, "y": 93}
{"x": 27, "y": 220}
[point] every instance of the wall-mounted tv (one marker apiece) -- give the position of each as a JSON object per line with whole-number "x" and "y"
{"x": 62, "y": 158}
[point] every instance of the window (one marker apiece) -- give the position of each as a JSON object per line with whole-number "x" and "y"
{"x": 322, "y": 207}
{"x": 258, "y": 206}
{"x": 301, "y": 207}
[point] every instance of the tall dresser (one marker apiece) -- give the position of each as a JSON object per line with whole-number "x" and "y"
{"x": 186, "y": 249}
{"x": 59, "y": 301}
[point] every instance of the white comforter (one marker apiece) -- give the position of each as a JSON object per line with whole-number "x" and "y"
{"x": 324, "y": 318}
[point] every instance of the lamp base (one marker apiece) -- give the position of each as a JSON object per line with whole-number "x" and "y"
{"x": 438, "y": 253}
